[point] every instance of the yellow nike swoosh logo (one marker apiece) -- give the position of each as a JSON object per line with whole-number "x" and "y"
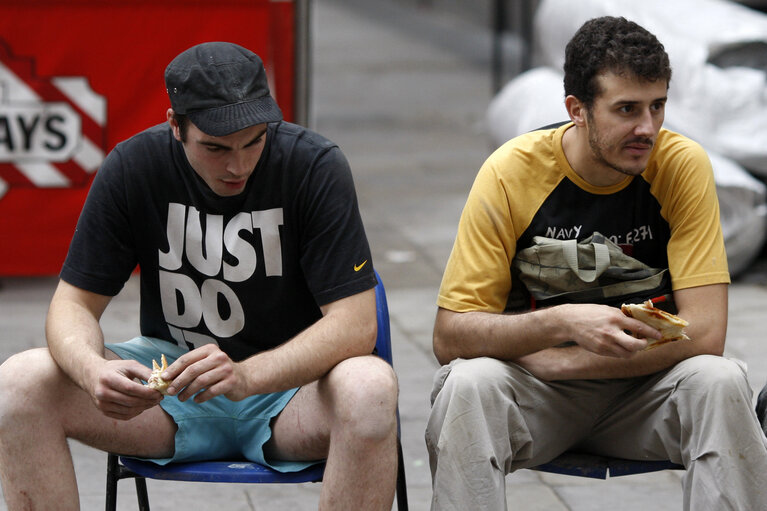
{"x": 358, "y": 268}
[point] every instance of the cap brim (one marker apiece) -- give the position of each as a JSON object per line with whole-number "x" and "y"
{"x": 227, "y": 119}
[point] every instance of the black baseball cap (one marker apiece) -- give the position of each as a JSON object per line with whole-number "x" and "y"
{"x": 221, "y": 87}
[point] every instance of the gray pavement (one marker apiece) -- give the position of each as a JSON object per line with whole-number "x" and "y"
{"x": 403, "y": 91}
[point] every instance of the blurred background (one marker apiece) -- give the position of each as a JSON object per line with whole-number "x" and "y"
{"x": 417, "y": 93}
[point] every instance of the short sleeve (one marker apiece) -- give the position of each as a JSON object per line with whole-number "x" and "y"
{"x": 687, "y": 192}
{"x": 335, "y": 255}
{"x": 101, "y": 256}
{"x": 477, "y": 275}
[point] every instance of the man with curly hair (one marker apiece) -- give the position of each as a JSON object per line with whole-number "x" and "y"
{"x": 522, "y": 380}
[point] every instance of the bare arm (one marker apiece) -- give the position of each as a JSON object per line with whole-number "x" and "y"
{"x": 704, "y": 307}
{"x": 346, "y": 329}
{"x": 597, "y": 328}
{"x": 76, "y": 343}
{"x": 529, "y": 338}
{"x": 73, "y": 332}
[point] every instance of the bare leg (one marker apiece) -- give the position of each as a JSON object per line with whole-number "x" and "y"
{"x": 40, "y": 408}
{"x": 348, "y": 416}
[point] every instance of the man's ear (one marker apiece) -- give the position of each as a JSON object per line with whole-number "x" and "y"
{"x": 576, "y": 110}
{"x": 173, "y": 125}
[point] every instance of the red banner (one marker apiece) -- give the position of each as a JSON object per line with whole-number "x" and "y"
{"x": 77, "y": 77}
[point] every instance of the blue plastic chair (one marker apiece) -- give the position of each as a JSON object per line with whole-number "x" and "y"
{"x": 238, "y": 471}
{"x": 600, "y": 467}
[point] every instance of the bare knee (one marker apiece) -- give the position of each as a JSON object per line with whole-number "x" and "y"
{"x": 27, "y": 382}
{"x": 364, "y": 395}
{"x": 20, "y": 369}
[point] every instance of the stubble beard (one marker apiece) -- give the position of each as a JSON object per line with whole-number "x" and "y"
{"x": 597, "y": 145}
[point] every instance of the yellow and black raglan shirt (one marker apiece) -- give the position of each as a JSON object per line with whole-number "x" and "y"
{"x": 667, "y": 218}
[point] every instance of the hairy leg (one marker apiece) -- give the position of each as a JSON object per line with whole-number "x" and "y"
{"x": 40, "y": 407}
{"x": 348, "y": 416}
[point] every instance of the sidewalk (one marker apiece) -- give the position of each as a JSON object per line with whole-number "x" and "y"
{"x": 406, "y": 105}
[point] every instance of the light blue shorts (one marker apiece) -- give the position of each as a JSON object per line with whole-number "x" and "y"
{"x": 218, "y": 428}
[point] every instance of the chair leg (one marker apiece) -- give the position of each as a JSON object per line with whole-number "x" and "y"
{"x": 111, "y": 503}
{"x": 141, "y": 494}
{"x": 115, "y": 472}
{"x": 401, "y": 483}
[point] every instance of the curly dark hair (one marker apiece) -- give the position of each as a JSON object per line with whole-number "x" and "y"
{"x": 612, "y": 44}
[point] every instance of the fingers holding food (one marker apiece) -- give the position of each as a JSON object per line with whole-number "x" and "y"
{"x": 669, "y": 325}
{"x": 155, "y": 380}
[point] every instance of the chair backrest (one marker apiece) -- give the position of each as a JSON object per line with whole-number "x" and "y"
{"x": 383, "y": 340}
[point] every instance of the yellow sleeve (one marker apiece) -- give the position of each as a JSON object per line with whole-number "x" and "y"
{"x": 478, "y": 275}
{"x": 507, "y": 192}
{"x": 685, "y": 186}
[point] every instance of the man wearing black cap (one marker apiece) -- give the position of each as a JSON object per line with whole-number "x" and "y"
{"x": 256, "y": 285}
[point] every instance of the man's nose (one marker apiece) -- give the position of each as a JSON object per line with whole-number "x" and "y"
{"x": 645, "y": 126}
{"x": 238, "y": 163}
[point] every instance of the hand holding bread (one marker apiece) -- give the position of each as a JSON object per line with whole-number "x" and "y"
{"x": 670, "y": 326}
{"x": 155, "y": 380}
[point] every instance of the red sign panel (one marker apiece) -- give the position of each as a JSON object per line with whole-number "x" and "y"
{"x": 77, "y": 77}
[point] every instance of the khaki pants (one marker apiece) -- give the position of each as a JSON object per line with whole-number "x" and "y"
{"x": 490, "y": 418}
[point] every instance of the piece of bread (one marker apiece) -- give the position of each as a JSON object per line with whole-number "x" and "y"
{"x": 155, "y": 381}
{"x": 670, "y": 326}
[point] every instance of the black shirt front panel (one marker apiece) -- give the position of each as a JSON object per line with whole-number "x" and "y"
{"x": 247, "y": 272}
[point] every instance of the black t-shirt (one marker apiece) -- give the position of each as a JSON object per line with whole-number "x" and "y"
{"x": 246, "y": 272}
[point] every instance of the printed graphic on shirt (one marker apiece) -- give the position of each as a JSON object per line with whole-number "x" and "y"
{"x": 635, "y": 235}
{"x": 631, "y": 218}
{"x": 564, "y": 233}
{"x": 223, "y": 253}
